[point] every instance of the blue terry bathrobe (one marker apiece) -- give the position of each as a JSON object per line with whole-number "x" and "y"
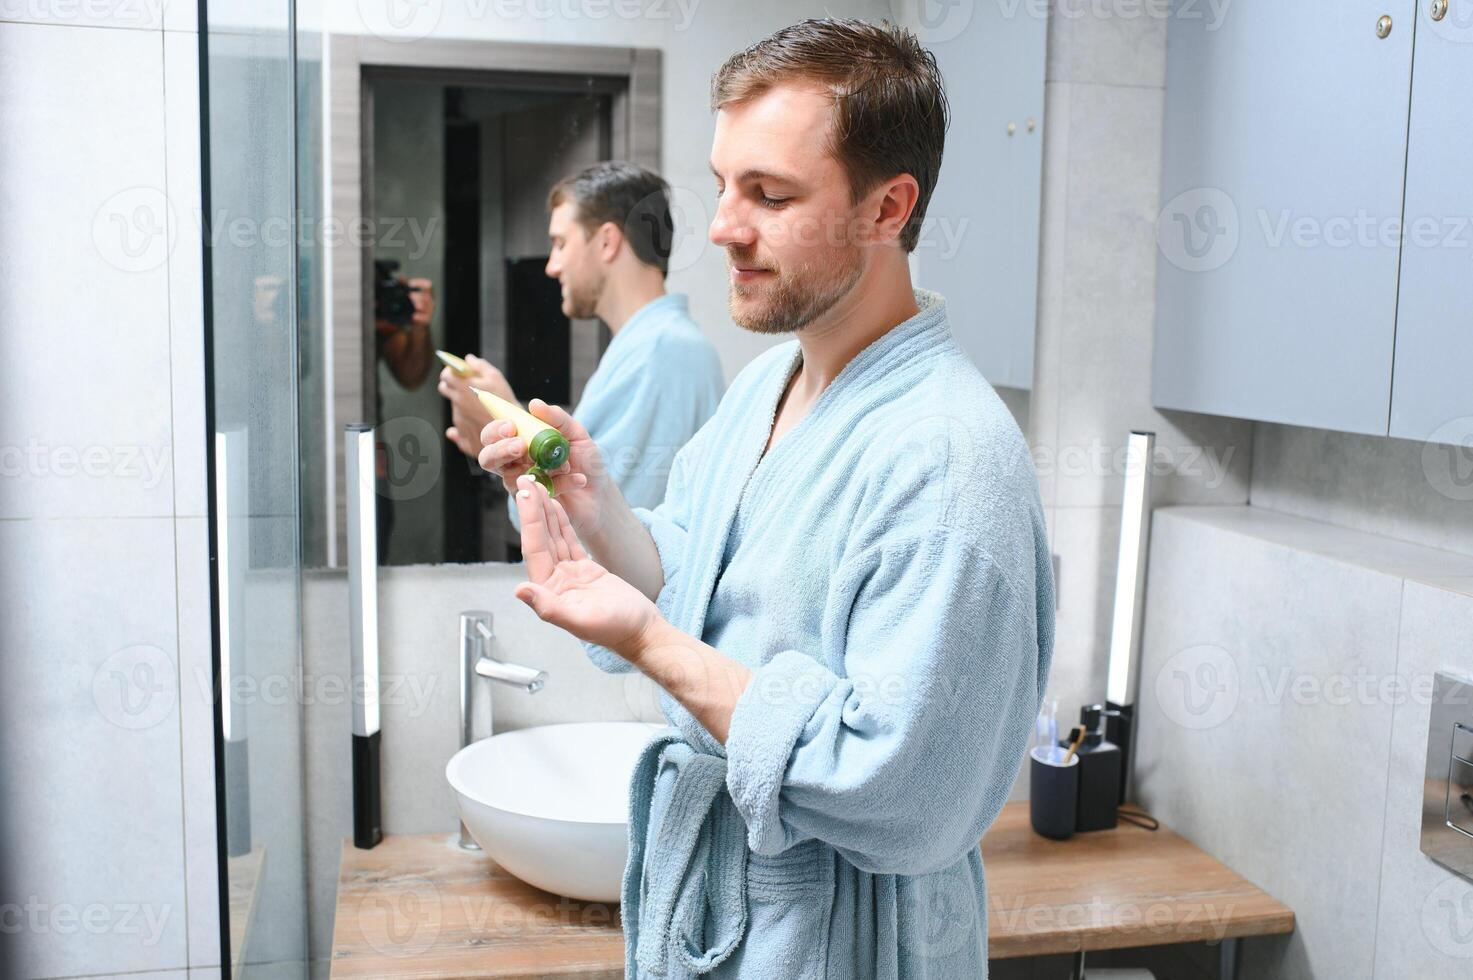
{"x": 657, "y": 383}
{"x": 884, "y": 571}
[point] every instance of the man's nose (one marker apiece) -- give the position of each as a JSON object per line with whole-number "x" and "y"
{"x": 730, "y": 225}
{"x": 553, "y": 269}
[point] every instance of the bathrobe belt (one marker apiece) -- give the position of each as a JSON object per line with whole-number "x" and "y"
{"x": 694, "y": 861}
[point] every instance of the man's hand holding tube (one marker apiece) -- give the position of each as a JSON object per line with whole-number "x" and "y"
{"x": 593, "y": 505}
{"x": 581, "y": 483}
{"x": 570, "y": 590}
{"x": 467, "y": 415}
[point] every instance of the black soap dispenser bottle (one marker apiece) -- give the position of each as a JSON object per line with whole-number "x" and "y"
{"x": 1099, "y": 773}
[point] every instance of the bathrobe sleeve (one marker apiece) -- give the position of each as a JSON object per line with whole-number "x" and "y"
{"x": 903, "y": 759}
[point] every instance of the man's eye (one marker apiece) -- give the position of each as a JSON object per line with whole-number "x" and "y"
{"x": 773, "y": 202}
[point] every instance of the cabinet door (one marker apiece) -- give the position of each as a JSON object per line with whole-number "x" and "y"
{"x": 1284, "y": 145}
{"x": 979, "y": 243}
{"x": 1432, "y": 392}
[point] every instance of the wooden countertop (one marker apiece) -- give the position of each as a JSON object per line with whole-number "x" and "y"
{"x": 419, "y": 906}
{"x": 1113, "y": 889}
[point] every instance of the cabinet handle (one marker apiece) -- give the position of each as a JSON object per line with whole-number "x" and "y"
{"x": 1383, "y": 26}
{"x": 1439, "y": 9}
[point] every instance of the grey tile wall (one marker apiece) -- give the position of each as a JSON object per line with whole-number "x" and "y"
{"x": 1279, "y": 730}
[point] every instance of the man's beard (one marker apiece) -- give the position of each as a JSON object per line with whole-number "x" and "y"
{"x": 793, "y": 300}
{"x": 583, "y": 299}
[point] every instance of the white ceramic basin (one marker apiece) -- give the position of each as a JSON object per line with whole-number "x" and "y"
{"x": 551, "y": 804}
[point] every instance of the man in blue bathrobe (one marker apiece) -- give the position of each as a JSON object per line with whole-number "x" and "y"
{"x": 660, "y": 379}
{"x": 846, "y": 594}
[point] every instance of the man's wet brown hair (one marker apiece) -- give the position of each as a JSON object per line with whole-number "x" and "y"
{"x": 890, "y": 110}
{"x": 633, "y": 197}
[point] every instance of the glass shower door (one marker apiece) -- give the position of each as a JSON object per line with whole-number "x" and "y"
{"x": 250, "y": 116}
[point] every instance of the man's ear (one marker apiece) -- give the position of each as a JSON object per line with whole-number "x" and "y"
{"x": 607, "y": 240}
{"x": 896, "y": 201}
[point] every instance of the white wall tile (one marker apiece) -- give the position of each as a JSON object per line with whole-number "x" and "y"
{"x": 186, "y": 285}
{"x": 92, "y": 795}
{"x": 197, "y": 734}
{"x": 181, "y": 15}
{"x": 84, "y": 394}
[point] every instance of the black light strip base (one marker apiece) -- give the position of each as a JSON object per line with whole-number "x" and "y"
{"x": 1120, "y": 729}
{"x": 367, "y": 820}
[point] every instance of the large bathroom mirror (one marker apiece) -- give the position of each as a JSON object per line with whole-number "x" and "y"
{"x": 444, "y": 155}
{"x": 410, "y": 163}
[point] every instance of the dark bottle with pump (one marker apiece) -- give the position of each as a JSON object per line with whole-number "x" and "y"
{"x": 1099, "y": 774}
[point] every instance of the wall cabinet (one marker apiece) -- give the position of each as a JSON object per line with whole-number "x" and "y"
{"x": 1291, "y": 164}
{"x": 979, "y": 242}
{"x": 1432, "y": 385}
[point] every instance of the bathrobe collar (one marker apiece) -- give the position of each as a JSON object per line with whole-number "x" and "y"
{"x": 906, "y": 344}
{"x": 648, "y": 315}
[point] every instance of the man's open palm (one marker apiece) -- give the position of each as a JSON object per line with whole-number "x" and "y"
{"x": 566, "y": 587}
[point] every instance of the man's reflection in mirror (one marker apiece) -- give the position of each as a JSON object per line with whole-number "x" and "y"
{"x": 610, "y": 232}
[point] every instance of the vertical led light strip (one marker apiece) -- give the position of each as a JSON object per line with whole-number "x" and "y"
{"x": 1130, "y": 583}
{"x": 1135, "y": 526}
{"x": 360, "y": 486}
{"x": 232, "y": 533}
{"x": 223, "y": 471}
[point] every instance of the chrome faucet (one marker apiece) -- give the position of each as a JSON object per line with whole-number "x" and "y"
{"x": 475, "y": 659}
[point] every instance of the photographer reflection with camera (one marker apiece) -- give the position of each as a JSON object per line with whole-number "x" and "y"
{"x": 403, "y": 309}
